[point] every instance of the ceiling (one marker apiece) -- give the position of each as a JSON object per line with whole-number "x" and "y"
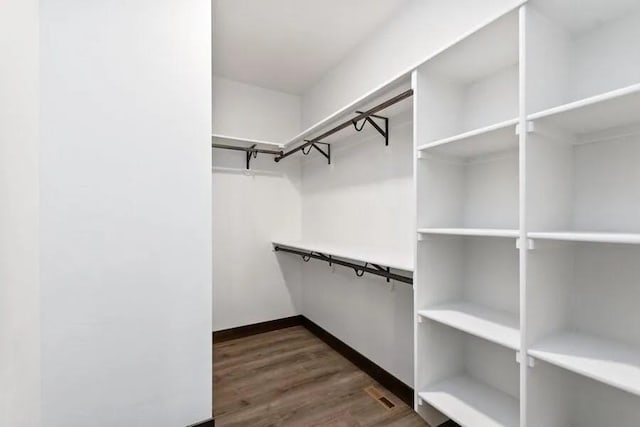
{"x": 288, "y": 45}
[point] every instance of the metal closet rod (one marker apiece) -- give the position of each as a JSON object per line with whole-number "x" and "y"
{"x": 246, "y": 149}
{"x": 347, "y": 123}
{"x": 359, "y": 269}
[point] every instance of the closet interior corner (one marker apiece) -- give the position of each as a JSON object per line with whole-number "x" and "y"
{"x": 479, "y": 212}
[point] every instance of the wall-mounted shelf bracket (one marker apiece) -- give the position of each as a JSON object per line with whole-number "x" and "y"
{"x": 250, "y": 152}
{"x": 326, "y": 154}
{"x": 384, "y": 132}
{"x": 376, "y": 270}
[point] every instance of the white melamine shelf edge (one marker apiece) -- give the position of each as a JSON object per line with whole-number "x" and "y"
{"x": 492, "y": 325}
{"x": 584, "y": 236}
{"x": 405, "y": 74}
{"x": 470, "y": 134}
{"x": 471, "y": 403}
{"x": 482, "y": 232}
{"x": 609, "y": 362}
{"x": 575, "y": 105}
{"x": 351, "y": 107}
{"x": 244, "y": 140}
{"x": 355, "y": 254}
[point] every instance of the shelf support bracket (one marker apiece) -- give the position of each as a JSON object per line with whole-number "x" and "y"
{"x": 384, "y": 132}
{"x": 326, "y": 154}
{"x": 531, "y": 362}
{"x": 530, "y": 244}
{"x": 251, "y": 153}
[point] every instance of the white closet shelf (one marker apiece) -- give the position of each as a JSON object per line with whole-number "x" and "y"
{"x": 608, "y": 110}
{"x": 492, "y": 325}
{"x": 489, "y": 139}
{"x": 482, "y": 232}
{"x": 609, "y": 362}
{"x": 229, "y": 138}
{"x": 471, "y": 403}
{"x": 587, "y": 236}
{"x": 394, "y": 86}
{"x": 393, "y": 260}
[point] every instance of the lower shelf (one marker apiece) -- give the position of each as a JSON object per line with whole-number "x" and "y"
{"x": 471, "y": 403}
{"x": 606, "y": 361}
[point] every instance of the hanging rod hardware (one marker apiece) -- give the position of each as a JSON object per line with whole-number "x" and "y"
{"x": 250, "y": 152}
{"x": 360, "y": 272}
{"x": 384, "y": 132}
{"x": 387, "y": 269}
{"x": 376, "y": 270}
{"x": 363, "y": 115}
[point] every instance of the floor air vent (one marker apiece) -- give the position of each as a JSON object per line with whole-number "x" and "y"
{"x": 378, "y": 396}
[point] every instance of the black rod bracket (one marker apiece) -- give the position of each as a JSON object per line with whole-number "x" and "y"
{"x": 365, "y": 115}
{"x": 375, "y": 269}
{"x": 369, "y": 119}
{"x": 250, "y": 152}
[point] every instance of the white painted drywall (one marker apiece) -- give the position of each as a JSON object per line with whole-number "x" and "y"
{"x": 125, "y": 199}
{"x": 19, "y": 288}
{"x": 364, "y": 199}
{"x": 248, "y": 111}
{"x": 250, "y": 209}
{"x": 419, "y": 29}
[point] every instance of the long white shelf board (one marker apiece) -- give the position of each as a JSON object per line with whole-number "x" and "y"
{"x": 609, "y": 362}
{"x": 361, "y": 254}
{"x": 608, "y": 110}
{"x": 471, "y": 403}
{"x": 584, "y": 236}
{"x": 392, "y": 87}
{"x": 486, "y": 140}
{"x": 486, "y": 232}
{"x": 495, "y": 326}
{"x": 229, "y": 138}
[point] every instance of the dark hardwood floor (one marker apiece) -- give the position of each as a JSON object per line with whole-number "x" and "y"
{"x": 291, "y": 378}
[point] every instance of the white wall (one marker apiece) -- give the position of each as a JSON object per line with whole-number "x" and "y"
{"x": 125, "y": 199}
{"x": 251, "y": 209}
{"x": 364, "y": 199}
{"x": 19, "y": 289}
{"x": 247, "y": 111}
{"x": 414, "y": 33}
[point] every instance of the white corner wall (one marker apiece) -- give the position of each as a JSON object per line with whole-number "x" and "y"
{"x": 248, "y": 111}
{"x": 19, "y": 288}
{"x": 364, "y": 199}
{"x": 125, "y": 199}
{"x": 250, "y": 209}
{"x": 418, "y": 30}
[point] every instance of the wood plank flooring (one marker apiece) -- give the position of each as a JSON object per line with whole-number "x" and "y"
{"x": 291, "y": 378}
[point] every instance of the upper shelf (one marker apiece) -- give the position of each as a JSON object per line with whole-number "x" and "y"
{"x": 486, "y": 140}
{"x": 248, "y": 141}
{"x": 609, "y": 110}
{"x": 392, "y": 87}
{"x": 480, "y": 232}
{"x": 362, "y": 254}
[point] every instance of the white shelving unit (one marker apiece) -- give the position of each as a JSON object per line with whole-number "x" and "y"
{"x": 529, "y": 129}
